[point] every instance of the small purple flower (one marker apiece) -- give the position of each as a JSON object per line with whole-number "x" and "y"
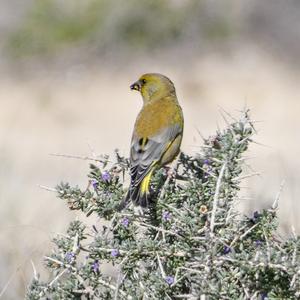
{"x": 114, "y": 252}
{"x": 166, "y": 216}
{"x": 106, "y": 176}
{"x": 94, "y": 183}
{"x": 258, "y": 243}
{"x": 96, "y": 266}
{"x": 264, "y": 296}
{"x": 169, "y": 280}
{"x": 226, "y": 250}
{"x": 125, "y": 222}
{"x": 206, "y": 161}
{"x": 256, "y": 215}
{"x": 70, "y": 256}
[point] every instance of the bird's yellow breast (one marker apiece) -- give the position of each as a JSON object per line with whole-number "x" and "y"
{"x": 157, "y": 115}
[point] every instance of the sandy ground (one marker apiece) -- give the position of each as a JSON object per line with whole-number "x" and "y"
{"x": 72, "y": 110}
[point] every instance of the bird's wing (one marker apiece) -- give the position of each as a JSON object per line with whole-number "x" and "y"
{"x": 147, "y": 151}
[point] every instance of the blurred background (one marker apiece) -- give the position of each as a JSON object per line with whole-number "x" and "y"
{"x": 65, "y": 71}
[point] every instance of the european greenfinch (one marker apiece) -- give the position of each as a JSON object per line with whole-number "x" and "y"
{"x": 157, "y": 134}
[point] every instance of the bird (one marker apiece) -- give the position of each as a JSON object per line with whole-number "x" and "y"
{"x": 156, "y": 137}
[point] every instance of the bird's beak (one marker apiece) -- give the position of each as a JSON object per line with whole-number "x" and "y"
{"x": 136, "y": 86}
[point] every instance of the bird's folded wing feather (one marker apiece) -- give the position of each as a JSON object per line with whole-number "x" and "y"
{"x": 144, "y": 156}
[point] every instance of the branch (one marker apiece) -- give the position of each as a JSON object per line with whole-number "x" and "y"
{"x": 77, "y": 157}
{"x": 275, "y": 203}
{"x": 216, "y": 197}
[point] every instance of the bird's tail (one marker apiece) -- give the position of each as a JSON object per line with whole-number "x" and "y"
{"x": 139, "y": 193}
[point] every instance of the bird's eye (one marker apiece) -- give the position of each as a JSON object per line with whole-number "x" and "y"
{"x": 143, "y": 81}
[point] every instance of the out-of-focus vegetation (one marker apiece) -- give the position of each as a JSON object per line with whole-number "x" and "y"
{"x": 105, "y": 25}
{"x": 99, "y": 27}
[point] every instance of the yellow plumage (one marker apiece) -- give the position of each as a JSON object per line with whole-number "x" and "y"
{"x": 156, "y": 136}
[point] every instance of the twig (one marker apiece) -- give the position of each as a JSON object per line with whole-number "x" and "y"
{"x": 294, "y": 232}
{"x": 164, "y": 187}
{"x": 92, "y": 150}
{"x": 224, "y": 118}
{"x": 275, "y": 203}
{"x": 268, "y": 245}
{"x": 248, "y": 231}
{"x": 254, "y": 296}
{"x": 47, "y": 188}
{"x": 246, "y": 176}
{"x": 252, "y": 264}
{"x": 111, "y": 249}
{"x": 76, "y": 243}
{"x": 185, "y": 296}
{"x": 245, "y": 158}
{"x": 260, "y": 144}
{"x": 294, "y": 278}
{"x": 244, "y": 288}
{"x": 201, "y": 135}
{"x": 156, "y": 228}
{"x": 35, "y": 275}
{"x": 216, "y": 197}
{"x": 56, "y": 278}
{"x": 119, "y": 278}
{"x": 8, "y": 282}
{"x": 221, "y": 109}
{"x": 114, "y": 288}
{"x": 163, "y": 274}
{"x": 77, "y": 157}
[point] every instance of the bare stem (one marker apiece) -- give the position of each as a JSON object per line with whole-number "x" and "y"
{"x": 216, "y": 197}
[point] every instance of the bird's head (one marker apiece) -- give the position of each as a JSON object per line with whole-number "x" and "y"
{"x": 153, "y": 86}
